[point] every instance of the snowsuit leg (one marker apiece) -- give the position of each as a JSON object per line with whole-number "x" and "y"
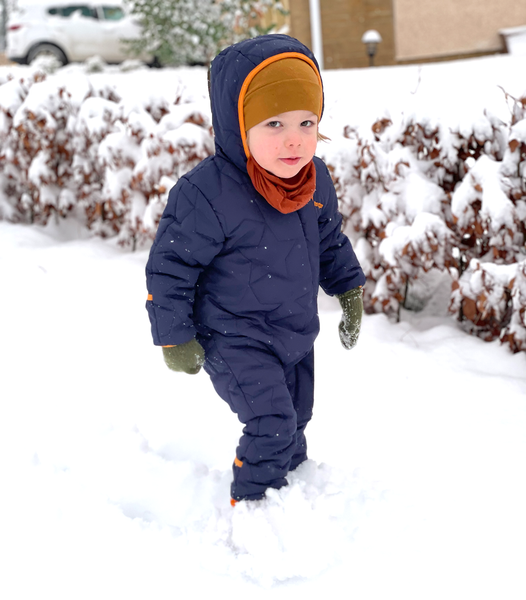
{"x": 300, "y": 382}
{"x": 273, "y": 401}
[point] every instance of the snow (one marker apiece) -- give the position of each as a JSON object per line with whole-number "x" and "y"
{"x": 11, "y": 96}
{"x": 496, "y": 207}
{"x": 518, "y": 132}
{"x": 458, "y": 93}
{"x": 95, "y": 113}
{"x": 421, "y": 195}
{"x": 515, "y": 39}
{"x": 115, "y": 471}
{"x": 424, "y": 227}
{"x": 371, "y": 36}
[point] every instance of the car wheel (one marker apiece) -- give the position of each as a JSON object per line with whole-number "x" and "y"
{"x": 46, "y": 50}
{"x": 155, "y": 63}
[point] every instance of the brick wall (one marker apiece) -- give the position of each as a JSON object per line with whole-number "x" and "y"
{"x": 299, "y": 19}
{"x": 344, "y": 22}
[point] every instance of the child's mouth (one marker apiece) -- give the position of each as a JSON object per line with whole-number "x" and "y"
{"x": 291, "y": 161}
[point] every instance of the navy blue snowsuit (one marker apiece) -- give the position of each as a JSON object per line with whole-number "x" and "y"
{"x": 243, "y": 278}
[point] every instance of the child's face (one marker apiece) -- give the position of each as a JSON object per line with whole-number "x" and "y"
{"x": 284, "y": 144}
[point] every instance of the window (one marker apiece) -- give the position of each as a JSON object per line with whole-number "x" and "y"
{"x": 112, "y": 13}
{"x": 66, "y": 11}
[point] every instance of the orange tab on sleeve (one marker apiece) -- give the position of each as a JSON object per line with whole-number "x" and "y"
{"x": 237, "y": 462}
{"x": 150, "y": 297}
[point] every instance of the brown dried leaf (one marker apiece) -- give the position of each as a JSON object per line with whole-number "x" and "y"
{"x": 381, "y": 125}
{"x": 469, "y": 309}
{"x": 348, "y": 131}
{"x": 196, "y": 119}
{"x": 514, "y": 144}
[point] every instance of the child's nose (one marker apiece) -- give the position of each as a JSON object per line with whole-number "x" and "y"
{"x": 293, "y": 139}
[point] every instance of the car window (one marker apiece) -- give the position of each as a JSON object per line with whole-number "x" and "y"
{"x": 112, "y": 13}
{"x": 66, "y": 11}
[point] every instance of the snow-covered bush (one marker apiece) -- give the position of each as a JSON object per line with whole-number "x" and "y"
{"x": 421, "y": 200}
{"x": 483, "y": 294}
{"x": 431, "y": 211}
{"x": 492, "y": 298}
{"x": 35, "y": 149}
{"x": 515, "y": 332}
{"x": 146, "y": 157}
{"x": 90, "y": 153}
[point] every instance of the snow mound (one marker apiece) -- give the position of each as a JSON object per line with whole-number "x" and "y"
{"x": 296, "y": 532}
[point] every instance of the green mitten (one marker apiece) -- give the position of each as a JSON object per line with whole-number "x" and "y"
{"x": 187, "y": 358}
{"x": 352, "y": 306}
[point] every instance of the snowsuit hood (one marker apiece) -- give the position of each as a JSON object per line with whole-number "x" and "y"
{"x": 230, "y": 73}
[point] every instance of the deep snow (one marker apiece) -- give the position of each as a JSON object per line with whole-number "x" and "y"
{"x": 115, "y": 471}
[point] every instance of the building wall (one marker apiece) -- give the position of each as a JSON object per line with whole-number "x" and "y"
{"x": 441, "y": 28}
{"x": 299, "y": 19}
{"x": 344, "y": 22}
{"x": 412, "y": 30}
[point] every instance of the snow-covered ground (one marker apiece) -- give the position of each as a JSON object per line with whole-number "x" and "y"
{"x": 115, "y": 471}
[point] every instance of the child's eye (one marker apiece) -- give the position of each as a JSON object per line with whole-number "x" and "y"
{"x": 274, "y": 124}
{"x": 308, "y": 123}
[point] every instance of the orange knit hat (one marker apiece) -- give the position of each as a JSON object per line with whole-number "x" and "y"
{"x": 284, "y": 85}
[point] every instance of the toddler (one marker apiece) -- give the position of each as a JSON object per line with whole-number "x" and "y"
{"x": 245, "y": 241}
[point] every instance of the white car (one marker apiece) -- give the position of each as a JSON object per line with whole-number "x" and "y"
{"x": 70, "y": 31}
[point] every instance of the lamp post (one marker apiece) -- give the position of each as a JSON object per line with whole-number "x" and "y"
{"x": 371, "y": 39}
{"x": 316, "y": 31}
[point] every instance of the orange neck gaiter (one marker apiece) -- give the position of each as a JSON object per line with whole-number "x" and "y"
{"x": 285, "y": 195}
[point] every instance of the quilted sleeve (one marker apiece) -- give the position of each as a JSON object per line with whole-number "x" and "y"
{"x": 340, "y": 270}
{"x": 188, "y": 239}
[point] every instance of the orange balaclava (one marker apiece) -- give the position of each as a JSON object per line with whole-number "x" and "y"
{"x": 283, "y": 85}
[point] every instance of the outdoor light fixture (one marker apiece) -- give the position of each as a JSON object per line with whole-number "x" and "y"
{"x": 371, "y": 39}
